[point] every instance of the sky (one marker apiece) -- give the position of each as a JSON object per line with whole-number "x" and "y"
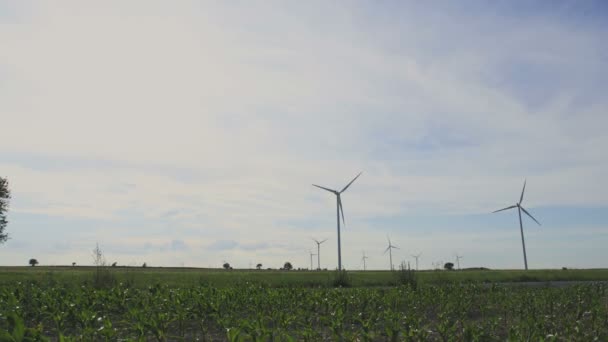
{"x": 190, "y": 133}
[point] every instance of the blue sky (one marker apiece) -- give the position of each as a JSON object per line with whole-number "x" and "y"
{"x": 189, "y": 134}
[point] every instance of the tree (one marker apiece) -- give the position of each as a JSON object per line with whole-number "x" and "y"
{"x": 5, "y": 195}
{"x": 258, "y": 266}
{"x": 448, "y": 266}
{"x": 226, "y": 266}
{"x": 287, "y": 266}
{"x": 74, "y": 264}
{"x": 33, "y": 262}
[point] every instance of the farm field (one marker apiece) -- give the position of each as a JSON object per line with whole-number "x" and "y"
{"x": 141, "y": 277}
{"x": 210, "y": 305}
{"x": 253, "y": 312}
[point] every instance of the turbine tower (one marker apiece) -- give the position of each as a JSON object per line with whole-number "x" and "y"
{"x": 458, "y": 257}
{"x": 319, "y": 251}
{"x": 389, "y": 249}
{"x": 311, "y": 255}
{"x": 364, "y": 258}
{"x": 340, "y": 210}
{"x": 416, "y": 256}
{"x": 521, "y": 227}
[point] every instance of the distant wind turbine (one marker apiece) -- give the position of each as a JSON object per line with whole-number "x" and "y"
{"x": 389, "y": 249}
{"x": 416, "y": 256}
{"x": 319, "y": 251}
{"x": 521, "y": 227}
{"x": 364, "y": 258}
{"x": 458, "y": 257}
{"x": 340, "y": 210}
{"x": 311, "y": 255}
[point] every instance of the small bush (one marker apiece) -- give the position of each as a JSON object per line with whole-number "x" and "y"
{"x": 102, "y": 277}
{"x": 341, "y": 279}
{"x": 406, "y": 276}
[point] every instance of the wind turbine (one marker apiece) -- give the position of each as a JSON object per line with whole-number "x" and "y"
{"x": 364, "y": 258}
{"x": 521, "y": 227}
{"x": 458, "y": 257}
{"x": 416, "y": 256}
{"x": 389, "y": 249}
{"x": 340, "y": 210}
{"x": 311, "y": 255}
{"x": 319, "y": 251}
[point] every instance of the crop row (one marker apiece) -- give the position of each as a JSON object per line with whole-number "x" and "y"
{"x": 254, "y": 312}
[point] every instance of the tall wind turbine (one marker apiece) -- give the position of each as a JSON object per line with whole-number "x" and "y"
{"x": 319, "y": 251}
{"x": 311, "y": 255}
{"x": 521, "y": 227}
{"x": 416, "y": 256}
{"x": 389, "y": 249}
{"x": 458, "y": 257}
{"x": 340, "y": 210}
{"x": 364, "y": 258}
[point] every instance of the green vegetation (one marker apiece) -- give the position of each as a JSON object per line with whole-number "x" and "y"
{"x": 139, "y": 304}
{"x": 341, "y": 279}
{"x": 256, "y": 312}
{"x": 141, "y": 277}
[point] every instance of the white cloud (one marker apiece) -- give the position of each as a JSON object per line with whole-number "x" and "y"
{"x": 214, "y": 119}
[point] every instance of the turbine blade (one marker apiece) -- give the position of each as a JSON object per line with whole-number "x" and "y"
{"x": 527, "y": 213}
{"x": 341, "y": 209}
{"x": 351, "y": 182}
{"x": 322, "y": 241}
{"x": 320, "y": 187}
{"x": 522, "y": 192}
{"x": 396, "y": 247}
{"x": 507, "y": 208}
{"x": 387, "y": 248}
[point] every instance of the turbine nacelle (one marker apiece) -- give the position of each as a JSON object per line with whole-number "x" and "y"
{"x": 519, "y": 206}
{"x": 319, "y": 242}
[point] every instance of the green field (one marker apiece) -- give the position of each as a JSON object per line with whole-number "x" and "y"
{"x": 138, "y": 276}
{"x": 176, "y": 304}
